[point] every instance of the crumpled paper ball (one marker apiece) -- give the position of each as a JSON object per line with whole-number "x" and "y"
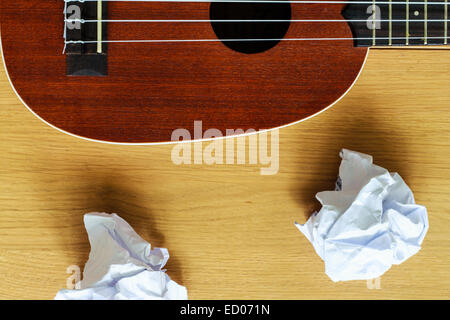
{"x": 366, "y": 225}
{"x": 122, "y": 265}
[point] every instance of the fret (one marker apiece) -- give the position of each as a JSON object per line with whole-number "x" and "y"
{"x": 374, "y": 29}
{"x": 407, "y": 22}
{"x": 446, "y": 22}
{"x": 390, "y": 23}
{"x": 436, "y": 23}
{"x": 400, "y": 27}
{"x": 417, "y": 21}
{"x": 386, "y": 26}
{"x": 425, "y": 26}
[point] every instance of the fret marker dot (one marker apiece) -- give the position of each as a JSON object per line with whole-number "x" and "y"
{"x": 416, "y": 13}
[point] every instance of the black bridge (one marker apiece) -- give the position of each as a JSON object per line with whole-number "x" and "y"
{"x": 86, "y": 53}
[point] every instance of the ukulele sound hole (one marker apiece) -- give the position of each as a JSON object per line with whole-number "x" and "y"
{"x": 274, "y": 31}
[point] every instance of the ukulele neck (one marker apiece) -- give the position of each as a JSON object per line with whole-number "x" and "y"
{"x": 399, "y": 22}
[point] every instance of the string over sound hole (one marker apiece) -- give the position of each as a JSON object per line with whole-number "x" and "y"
{"x": 250, "y": 30}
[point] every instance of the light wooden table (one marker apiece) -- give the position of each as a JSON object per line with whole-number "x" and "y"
{"x": 229, "y": 230}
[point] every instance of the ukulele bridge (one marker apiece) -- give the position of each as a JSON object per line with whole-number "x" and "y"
{"x": 84, "y": 34}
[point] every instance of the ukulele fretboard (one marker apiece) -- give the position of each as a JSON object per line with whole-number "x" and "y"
{"x": 399, "y": 22}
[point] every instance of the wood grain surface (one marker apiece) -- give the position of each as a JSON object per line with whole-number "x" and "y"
{"x": 230, "y": 231}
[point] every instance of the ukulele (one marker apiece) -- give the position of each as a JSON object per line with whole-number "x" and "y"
{"x": 134, "y": 71}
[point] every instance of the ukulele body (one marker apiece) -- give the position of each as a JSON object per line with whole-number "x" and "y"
{"x": 152, "y": 89}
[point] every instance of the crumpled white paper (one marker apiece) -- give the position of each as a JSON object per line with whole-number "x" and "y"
{"x": 122, "y": 265}
{"x": 368, "y": 224}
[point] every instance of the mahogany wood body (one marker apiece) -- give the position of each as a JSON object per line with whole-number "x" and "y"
{"x": 153, "y": 89}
